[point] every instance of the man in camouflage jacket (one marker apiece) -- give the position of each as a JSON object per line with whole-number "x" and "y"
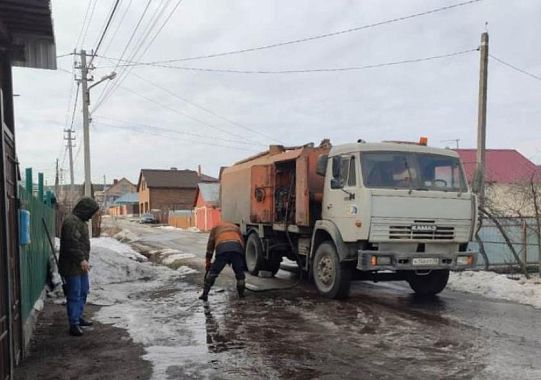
{"x": 73, "y": 262}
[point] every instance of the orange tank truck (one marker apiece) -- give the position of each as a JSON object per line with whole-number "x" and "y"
{"x": 278, "y": 194}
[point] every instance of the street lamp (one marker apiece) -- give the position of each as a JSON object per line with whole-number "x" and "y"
{"x": 109, "y": 76}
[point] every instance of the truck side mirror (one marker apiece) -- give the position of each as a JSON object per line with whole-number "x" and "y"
{"x": 321, "y": 167}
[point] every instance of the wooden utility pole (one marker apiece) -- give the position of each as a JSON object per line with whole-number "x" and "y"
{"x": 482, "y": 120}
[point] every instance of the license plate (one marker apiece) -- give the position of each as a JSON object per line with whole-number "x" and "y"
{"x": 425, "y": 261}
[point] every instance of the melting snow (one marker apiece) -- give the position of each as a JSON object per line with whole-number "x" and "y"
{"x": 177, "y": 256}
{"x": 493, "y": 285}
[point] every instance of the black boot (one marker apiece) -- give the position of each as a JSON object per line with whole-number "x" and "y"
{"x": 209, "y": 281}
{"x": 205, "y": 295}
{"x": 85, "y": 323}
{"x": 75, "y": 330}
{"x": 240, "y": 288}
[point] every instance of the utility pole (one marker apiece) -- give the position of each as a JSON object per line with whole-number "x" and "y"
{"x": 85, "y": 88}
{"x": 482, "y": 120}
{"x": 86, "y": 122}
{"x": 104, "y": 193}
{"x": 69, "y": 138}
{"x": 56, "y": 180}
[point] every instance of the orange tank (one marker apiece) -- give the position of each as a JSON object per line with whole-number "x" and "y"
{"x": 279, "y": 185}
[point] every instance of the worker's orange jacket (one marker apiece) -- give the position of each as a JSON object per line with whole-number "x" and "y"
{"x": 223, "y": 233}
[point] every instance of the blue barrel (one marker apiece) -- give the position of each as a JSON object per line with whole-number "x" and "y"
{"x": 24, "y": 227}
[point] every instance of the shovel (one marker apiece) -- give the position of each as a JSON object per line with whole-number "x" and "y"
{"x": 64, "y": 285}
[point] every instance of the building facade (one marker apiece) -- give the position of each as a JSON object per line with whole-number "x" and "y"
{"x": 167, "y": 190}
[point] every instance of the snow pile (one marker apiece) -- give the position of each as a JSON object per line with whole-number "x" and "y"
{"x": 169, "y": 228}
{"x": 113, "y": 262}
{"x": 184, "y": 270}
{"x": 170, "y": 259}
{"x": 118, "y": 247}
{"x": 495, "y": 285}
{"x": 172, "y": 228}
{"x": 126, "y": 235}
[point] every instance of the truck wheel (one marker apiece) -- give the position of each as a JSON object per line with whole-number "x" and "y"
{"x": 332, "y": 278}
{"x": 253, "y": 254}
{"x": 428, "y": 284}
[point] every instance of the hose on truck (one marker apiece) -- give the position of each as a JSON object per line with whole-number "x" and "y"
{"x": 293, "y": 248}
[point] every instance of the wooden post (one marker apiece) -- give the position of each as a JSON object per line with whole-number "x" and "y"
{"x": 525, "y": 241}
{"x": 29, "y": 182}
{"x": 40, "y": 187}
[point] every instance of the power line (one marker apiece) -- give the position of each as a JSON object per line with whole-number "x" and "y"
{"x": 148, "y": 127}
{"x": 75, "y": 106}
{"x": 107, "y": 85}
{"x": 141, "y": 43}
{"x": 234, "y": 123}
{"x": 189, "y": 116}
{"x": 115, "y": 32}
{"x": 515, "y": 67}
{"x": 64, "y": 55}
{"x": 326, "y": 35}
{"x": 111, "y": 15}
{"x": 299, "y": 71}
{"x": 84, "y": 29}
{"x": 156, "y": 133}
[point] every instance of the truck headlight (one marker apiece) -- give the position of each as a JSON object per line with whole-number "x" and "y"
{"x": 380, "y": 260}
{"x": 464, "y": 260}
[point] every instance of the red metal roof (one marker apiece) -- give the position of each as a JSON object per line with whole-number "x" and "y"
{"x": 502, "y": 165}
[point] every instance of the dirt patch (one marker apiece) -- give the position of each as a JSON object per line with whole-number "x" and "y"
{"x": 104, "y": 352}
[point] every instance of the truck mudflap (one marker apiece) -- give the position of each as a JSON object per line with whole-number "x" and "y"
{"x": 378, "y": 260}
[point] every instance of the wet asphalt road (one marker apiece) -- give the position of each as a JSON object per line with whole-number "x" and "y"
{"x": 381, "y": 332}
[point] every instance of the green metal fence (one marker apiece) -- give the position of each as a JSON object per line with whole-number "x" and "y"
{"x": 34, "y": 257}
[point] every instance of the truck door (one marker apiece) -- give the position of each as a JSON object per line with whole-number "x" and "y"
{"x": 341, "y": 203}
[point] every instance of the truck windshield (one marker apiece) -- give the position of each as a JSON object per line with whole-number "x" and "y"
{"x": 417, "y": 171}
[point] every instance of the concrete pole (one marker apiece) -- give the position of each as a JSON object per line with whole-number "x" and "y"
{"x": 86, "y": 130}
{"x": 70, "y": 139}
{"x": 482, "y": 119}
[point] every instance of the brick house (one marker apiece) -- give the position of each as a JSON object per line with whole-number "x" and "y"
{"x": 167, "y": 190}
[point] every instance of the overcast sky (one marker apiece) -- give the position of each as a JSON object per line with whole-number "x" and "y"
{"x": 144, "y": 123}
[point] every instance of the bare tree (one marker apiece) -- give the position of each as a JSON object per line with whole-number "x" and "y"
{"x": 523, "y": 201}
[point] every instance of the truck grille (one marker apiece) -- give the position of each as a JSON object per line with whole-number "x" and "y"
{"x": 408, "y": 233}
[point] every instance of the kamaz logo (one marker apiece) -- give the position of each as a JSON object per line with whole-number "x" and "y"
{"x": 424, "y": 228}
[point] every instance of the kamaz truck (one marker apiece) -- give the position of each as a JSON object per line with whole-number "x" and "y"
{"x": 361, "y": 211}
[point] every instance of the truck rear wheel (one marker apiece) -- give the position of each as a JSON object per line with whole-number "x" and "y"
{"x": 332, "y": 278}
{"x": 253, "y": 254}
{"x": 429, "y": 284}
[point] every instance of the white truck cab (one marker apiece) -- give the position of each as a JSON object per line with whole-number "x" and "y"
{"x": 402, "y": 211}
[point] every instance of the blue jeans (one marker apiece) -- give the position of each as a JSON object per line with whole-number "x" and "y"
{"x": 76, "y": 299}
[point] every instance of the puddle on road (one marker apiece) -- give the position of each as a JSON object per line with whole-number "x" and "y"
{"x": 286, "y": 335}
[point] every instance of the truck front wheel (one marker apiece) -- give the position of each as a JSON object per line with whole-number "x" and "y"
{"x": 430, "y": 283}
{"x": 253, "y": 254}
{"x": 332, "y": 278}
